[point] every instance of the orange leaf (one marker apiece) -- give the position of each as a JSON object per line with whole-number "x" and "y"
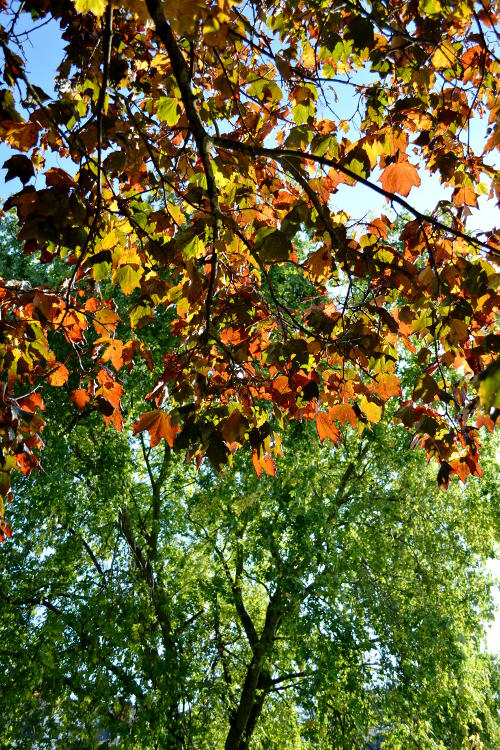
{"x": 59, "y": 376}
{"x": 386, "y": 385}
{"x": 400, "y": 178}
{"x": 281, "y": 384}
{"x": 484, "y": 419}
{"x": 80, "y": 397}
{"x": 256, "y": 463}
{"x": 326, "y": 428}
{"x": 344, "y": 413}
{"x": 114, "y": 353}
{"x": 26, "y": 462}
{"x": 105, "y": 321}
{"x": 159, "y": 425}
{"x": 267, "y": 463}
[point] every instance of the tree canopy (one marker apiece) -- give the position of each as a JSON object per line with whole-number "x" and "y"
{"x": 148, "y": 602}
{"x": 180, "y": 181}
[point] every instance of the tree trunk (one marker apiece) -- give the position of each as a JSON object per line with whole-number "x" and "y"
{"x": 254, "y": 687}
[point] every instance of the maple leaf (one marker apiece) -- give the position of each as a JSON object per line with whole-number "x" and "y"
{"x": 326, "y": 428}
{"x": 114, "y": 353}
{"x": 262, "y": 460}
{"x": 128, "y": 278}
{"x": 80, "y": 397}
{"x": 19, "y": 166}
{"x": 400, "y": 178}
{"x": 372, "y": 411}
{"x": 386, "y": 385}
{"x": 343, "y": 413}
{"x": 159, "y": 425}
{"x": 59, "y": 376}
{"x": 97, "y": 7}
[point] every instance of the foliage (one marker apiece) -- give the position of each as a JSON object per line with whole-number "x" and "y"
{"x": 187, "y": 148}
{"x": 176, "y": 608}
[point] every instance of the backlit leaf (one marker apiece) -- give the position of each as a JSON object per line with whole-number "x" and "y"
{"x": 159, "y": 425}
{"x": 59, "y": 376}
{"x": 80, "y": 397}
{"x": 326, "y": 428}
{"x": 400, "y": 178}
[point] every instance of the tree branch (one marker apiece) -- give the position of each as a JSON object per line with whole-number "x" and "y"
{"x": 181, "y": 72}
{"x": 281, "y": 154}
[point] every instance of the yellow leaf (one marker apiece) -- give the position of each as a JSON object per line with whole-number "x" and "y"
{"x": 372, "y": 411}
{"x": 128, "y": 278}
{"x": 444, "y": 57}
{"x": 109, "y": 240}
{"x": 97, "y": 7}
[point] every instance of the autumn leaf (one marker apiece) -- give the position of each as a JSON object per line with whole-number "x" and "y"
{"x": 256, "y": 463}
{"x": 267, "y": 463}
{"x": 19, "y": 166}
{"x": 159, "y": 425}
{"x": 386, "y": 385}
{"x": 114, "y": 353}
{"x": 105, "y": 321}
{"x": 445, "y": 56}
{"x": 80, "y": 397}
{"x": 22, "y": 135}
{"x": 326, "y": 428}
{"x": 128, "y": 278}
{"x": 59, "y": 376}
{"x": 97, "y": 7}
{"x": 343, "y": 413}
{"x": 58, "y": 178}
{"x": 372, "y": 411}
{"x": 400, "y": 178}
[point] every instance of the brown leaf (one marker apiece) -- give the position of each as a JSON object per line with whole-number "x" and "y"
{"x": 58, "y": 178}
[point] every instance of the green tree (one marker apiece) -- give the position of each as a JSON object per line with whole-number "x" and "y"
{"x": 177, "y": 608}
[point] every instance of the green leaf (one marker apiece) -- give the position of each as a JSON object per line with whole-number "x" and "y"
{"x": 168, "y": 110}
{"x": 489, "y": 389}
